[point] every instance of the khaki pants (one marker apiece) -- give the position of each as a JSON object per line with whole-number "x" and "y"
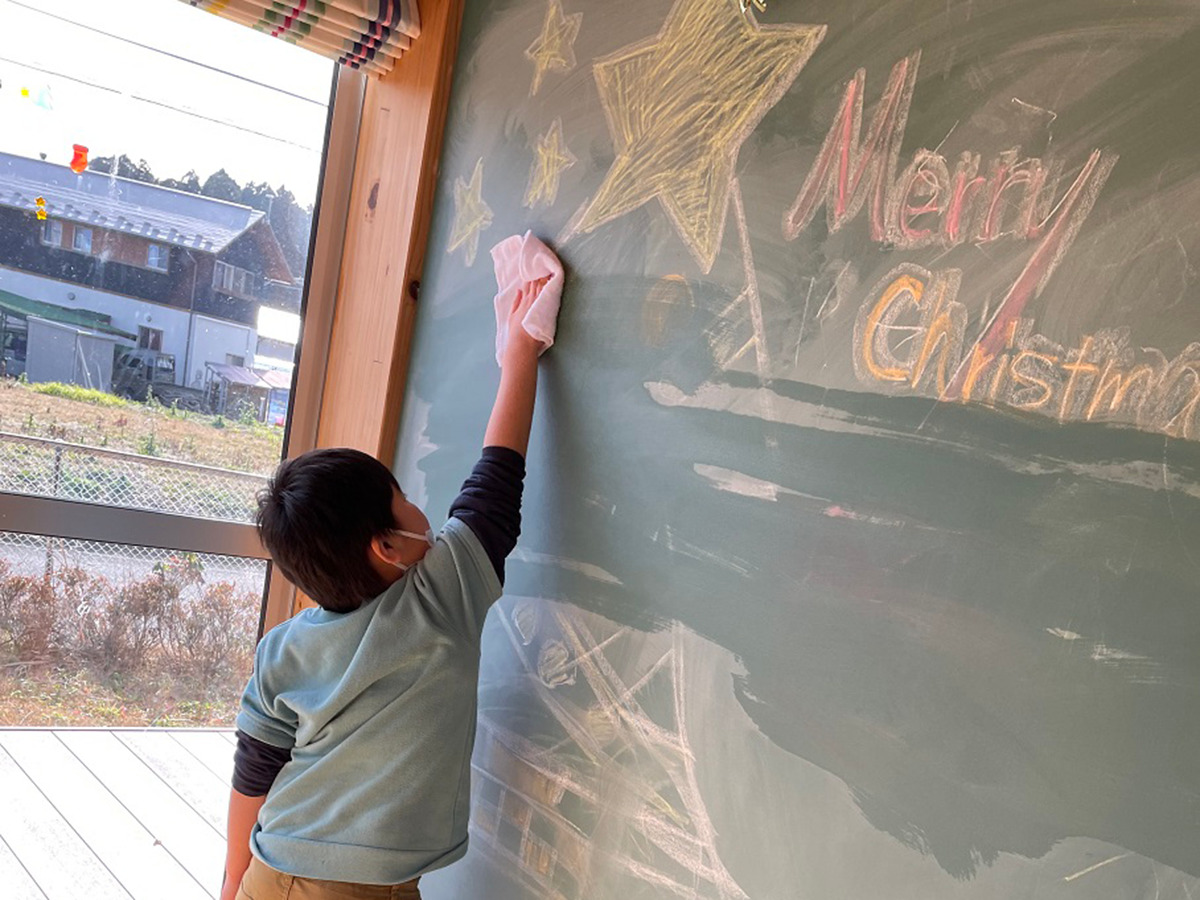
{"x": 261, "y": 882}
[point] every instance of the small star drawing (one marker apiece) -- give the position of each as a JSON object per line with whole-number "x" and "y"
{"x": 551, "y": 159}
{"x": 680, "y": 104}
{"x": 555, "y": 46}
{"x": 471, "y": 214}
{"x": 40, "y": 204}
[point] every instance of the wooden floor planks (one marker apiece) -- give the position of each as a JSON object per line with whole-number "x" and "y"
{"x": 56, "y": 858}
{"x": 210, "y": 748}
{"x": 112, "y": 815}
{"x": 185, "y": 835}
{"x": 16, "y": 878}
{"x": 186, "y": 775}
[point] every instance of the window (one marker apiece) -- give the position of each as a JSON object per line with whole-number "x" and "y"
{"x": 157, "y": 256}
{"x": 243, "y": 282}
{"x": 52, "y": 233}
{"x": 222, "y": 279}
{"x": 129, "y": 361}
{"x": 151, "y": 496}
{"x": 233, "y": 360}
{"x": 233, "y": 280}
{"x": 149, "y": 338}
{"x": 82, "y": 241}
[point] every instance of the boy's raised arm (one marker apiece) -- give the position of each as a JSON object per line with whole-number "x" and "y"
{"x": 490, "y": 501}
{"x": 512, "y": 414}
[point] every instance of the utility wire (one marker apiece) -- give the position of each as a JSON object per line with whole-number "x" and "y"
{"x": 17, "y": 62}
{"x": 178, "y": 109}
{"x": 185, "y": 59}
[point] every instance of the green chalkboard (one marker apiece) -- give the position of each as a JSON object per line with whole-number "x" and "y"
{"x": 860, "y": 555}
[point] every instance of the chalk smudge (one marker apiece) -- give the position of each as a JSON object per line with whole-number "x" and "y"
{"x": 587, "y": 570}
{"x": 736, "y": 482}
{"x": 748, "y": 402}
{"x": 666, "y": 535}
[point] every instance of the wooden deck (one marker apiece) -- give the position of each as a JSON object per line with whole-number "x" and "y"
{"x": 126, "y": 814}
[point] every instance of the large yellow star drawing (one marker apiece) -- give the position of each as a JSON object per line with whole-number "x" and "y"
{"x": 551, "y": 157}
{"x": 471, "y": 214}
{"x": 680, "y": 104}
{"x": 555, "y": 46}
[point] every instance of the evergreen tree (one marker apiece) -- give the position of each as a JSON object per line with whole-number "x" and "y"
{"x": 123, "y": 167}
{"x": 291, "y": 225}
{"x": 189, "y": 182}
{"x": 221, "y": 186}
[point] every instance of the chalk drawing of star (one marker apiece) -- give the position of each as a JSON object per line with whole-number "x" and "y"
{"x": 679, "y": 106}
{"x": 555, "y": 46}
{"x": 551, "y": 158}
{"x": 471, "y": 214}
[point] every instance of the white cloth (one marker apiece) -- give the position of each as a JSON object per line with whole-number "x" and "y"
{"x": 520, "y": 260}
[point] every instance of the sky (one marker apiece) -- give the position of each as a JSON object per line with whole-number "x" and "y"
{"x": 63, "y": 84}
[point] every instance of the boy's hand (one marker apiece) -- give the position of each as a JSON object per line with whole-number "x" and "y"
{"x": 521, "y": 341}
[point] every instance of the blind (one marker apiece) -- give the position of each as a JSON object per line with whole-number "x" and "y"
{"x": 364, "y": 34}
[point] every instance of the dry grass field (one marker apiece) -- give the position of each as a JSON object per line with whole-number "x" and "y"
{"x": 148, "y": 429}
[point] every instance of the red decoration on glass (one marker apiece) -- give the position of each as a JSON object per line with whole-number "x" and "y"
{"x": 79, "y": 161}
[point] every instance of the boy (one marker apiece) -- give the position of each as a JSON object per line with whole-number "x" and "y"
{"x": 352, "y": 771}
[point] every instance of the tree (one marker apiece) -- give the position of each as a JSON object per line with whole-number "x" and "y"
{"x": 291, "y": 225}
{"x": 189, "y": 182}
{"x": 123, "y": 167}
{"x": 221, "y": 186}
{"x": 258, "y": 196}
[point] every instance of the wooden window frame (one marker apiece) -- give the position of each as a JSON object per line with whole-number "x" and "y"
{"x": 391, "y": 204}
{"x": 381, "y": 260}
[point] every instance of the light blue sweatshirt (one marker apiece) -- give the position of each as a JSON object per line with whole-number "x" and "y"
{"x": 378, "y": 707}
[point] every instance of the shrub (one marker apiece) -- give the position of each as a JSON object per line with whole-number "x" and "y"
{"x": 82, "y": 394}
{"x": 38, "y": 612}
{"x": 28, "y": 619}
{"x": 214, "y": 636}
{"x": 168, "y": 648}
{"x": 246, "y": 416}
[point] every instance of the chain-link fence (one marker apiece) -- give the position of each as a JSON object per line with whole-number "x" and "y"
{"x": 49, "y": 468}
{"x": 28, "y": 554}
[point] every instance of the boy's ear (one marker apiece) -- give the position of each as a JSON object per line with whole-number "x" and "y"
{"x": 384, "y": 551}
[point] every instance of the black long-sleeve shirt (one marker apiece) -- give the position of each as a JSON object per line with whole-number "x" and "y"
{"x": 490, "y": 505}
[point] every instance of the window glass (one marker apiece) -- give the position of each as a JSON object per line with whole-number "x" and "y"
{"x": 100, "y": 634}
{"x": 82, "y": 239}
{"x": 158, "y": 169}
{"x": 177, "y": 156}
{"x": 157, "y": 257}
{"x": 52, "y": 233}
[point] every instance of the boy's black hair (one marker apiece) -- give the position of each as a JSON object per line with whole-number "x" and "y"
{"x": 316, "y": 518}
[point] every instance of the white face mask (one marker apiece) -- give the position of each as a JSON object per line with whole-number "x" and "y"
{"x": 427, "y": 537}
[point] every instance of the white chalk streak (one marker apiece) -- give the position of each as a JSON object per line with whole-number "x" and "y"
{"x": 678, "y": 545}
{"x": 588, "y": 570}
{"x": 736, "y": 482}
{"x": 750, "y": 402}
{"x": 1111, "y": 859}
{"x": 1065, "y": 634}
{"x": 1105, "y": 654}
